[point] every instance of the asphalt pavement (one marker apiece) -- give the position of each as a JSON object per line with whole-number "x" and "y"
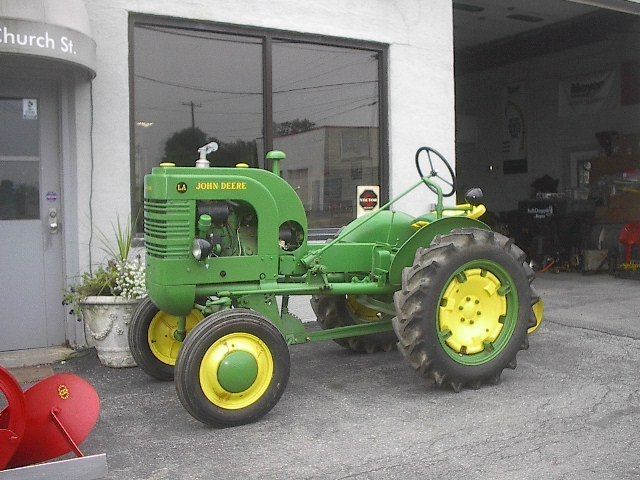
{"x": 571, "y": 409}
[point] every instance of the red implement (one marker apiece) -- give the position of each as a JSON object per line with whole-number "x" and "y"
{"x": 58, "y": 415}
{"x": 630, "y": 237}
{"x": 12, "y": 418}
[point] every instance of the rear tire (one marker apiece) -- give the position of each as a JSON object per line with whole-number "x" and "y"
{"x": 333, "y": 311}
{"x": 233, "y": 368}
{"x": 441, "y": 329}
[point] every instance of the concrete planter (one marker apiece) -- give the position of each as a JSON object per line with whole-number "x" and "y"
{"x": 106, "y": 321}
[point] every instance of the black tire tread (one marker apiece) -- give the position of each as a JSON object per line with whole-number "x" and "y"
{"x": 417, "y": 280}
{"x": 331, "y": 312}
{"x": 139, "y": 344}
{"x": 200, "y": 339}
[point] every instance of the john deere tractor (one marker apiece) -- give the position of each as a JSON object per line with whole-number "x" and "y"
{"x": 227, "y": 247}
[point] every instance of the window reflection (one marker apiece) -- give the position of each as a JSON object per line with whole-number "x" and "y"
{"x": 19, "y": 161}
{"x": 192, "y": 87}
{"x": 19, "y": 181}
{"x": 325, "y": 112}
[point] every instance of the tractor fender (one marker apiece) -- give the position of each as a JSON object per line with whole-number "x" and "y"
{"x": 422, "y": 238}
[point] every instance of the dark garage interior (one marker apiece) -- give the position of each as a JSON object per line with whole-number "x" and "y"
{"x": 548, "y": 125}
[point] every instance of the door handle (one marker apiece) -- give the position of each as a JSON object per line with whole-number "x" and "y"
{"x": 53, "y": 221}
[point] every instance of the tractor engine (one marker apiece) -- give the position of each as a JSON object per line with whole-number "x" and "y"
{"x": 228, "y": 228}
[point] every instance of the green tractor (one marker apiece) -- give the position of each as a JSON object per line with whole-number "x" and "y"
{"x": 223, "y": 245}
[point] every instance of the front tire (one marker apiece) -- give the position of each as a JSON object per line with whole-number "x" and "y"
{"x": 151, "y": 339}
{"x": 464, "y": 308}
{"x": 233, "y": 368}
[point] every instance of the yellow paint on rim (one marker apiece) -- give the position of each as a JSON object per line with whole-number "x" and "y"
{"x": 471, "y": 311}
{"x": 162, "y": 343}
{"x": 477, "y": 211}
{"x": 215, "y": 355}
{"x": 362, "y": 312}
{"x": 538, "y": 311}
{"x": 464, "y": 210}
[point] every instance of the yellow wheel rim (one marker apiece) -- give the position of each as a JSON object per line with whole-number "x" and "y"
{"x": 538, "y": 311}
{"x": 361, "y": 312}
{"x": 214, "y": 363}
{"x": 162, "y": 343}
{"x": 472, "y": 311}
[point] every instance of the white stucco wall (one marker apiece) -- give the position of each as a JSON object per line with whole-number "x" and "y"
{"x": 420, "y": 66}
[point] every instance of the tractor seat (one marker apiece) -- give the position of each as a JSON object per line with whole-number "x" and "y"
{"x": 463, "y": 210}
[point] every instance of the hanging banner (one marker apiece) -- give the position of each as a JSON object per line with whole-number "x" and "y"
{"x": 585, "y": 93}
{"x": 515, "y": 128}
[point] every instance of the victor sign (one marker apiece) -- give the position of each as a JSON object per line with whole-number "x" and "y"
{"x": 367, "y": 199}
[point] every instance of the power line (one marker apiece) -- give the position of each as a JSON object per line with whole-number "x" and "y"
{"x": 302, "y": 106}
{"x": 303, "y": 111}
{"x": 347, "y": 111}
{"x": 198, "y": 89}
{"x": 327, "y": 72}
{"x": 204, "y": 112}
{"x": 349, "y": 100}
{"x": 325, "y": 86}
{"x": 329, "y": 109}
{"x": 346, "y": 50}
{"x": 173, "y": 31}
{"x": 201, "y": 89}
{"x": 256, "y": 41}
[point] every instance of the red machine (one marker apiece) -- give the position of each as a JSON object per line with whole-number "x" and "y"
{"x": 50, "y": 419}
{"x": 630, "y": 237}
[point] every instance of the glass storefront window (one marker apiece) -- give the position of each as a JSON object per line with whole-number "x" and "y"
{"x": 320, "y": 104}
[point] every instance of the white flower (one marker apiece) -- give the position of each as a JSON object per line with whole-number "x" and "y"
{"x": 130, "y": 282}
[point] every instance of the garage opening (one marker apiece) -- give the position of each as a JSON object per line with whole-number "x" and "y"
{"x": 548, "y": 125}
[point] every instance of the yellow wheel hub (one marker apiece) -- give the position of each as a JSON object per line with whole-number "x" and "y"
{"x": 237, "y": 359}
{"x": 162, "y": 343}
{"x": 472, "y": 311}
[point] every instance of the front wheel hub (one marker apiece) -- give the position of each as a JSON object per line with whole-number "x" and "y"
{"x": 236, "y": 370}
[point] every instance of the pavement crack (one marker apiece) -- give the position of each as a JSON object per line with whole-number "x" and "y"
{"x": 589, "y": 329}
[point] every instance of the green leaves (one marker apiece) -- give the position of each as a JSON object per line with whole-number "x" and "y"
{"x": 117, "y": 276}
{"x": 123, "y": 233}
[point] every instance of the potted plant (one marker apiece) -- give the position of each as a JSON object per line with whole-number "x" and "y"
{"x": 106, "y": 297}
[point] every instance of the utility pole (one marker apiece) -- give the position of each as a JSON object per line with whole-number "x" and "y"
{"x": 193, "y": 117}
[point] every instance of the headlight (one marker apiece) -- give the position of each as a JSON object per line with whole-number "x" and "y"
{"x": 200, "y": 249}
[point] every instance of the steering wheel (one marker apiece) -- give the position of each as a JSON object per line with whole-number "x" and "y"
{"x": 434, "y": 173}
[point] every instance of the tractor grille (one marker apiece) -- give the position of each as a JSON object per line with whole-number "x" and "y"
{"x": 167, "y": 229}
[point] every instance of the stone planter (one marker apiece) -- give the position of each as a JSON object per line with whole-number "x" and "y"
{"x": 106, "y": 322}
